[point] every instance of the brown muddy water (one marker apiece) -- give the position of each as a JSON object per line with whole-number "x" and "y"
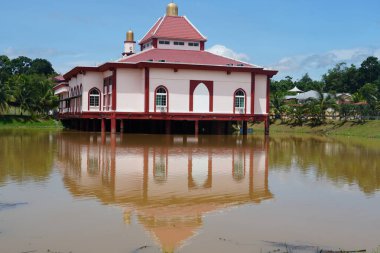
{"x": 84, "y": 192}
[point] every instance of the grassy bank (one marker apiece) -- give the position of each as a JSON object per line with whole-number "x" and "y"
{"x": 11, "y": 121}
{"x": 369, "y": 129}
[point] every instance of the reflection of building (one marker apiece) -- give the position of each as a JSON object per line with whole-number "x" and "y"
{"x": 169, "y": 184}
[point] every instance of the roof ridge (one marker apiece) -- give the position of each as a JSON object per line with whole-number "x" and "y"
{"x": 150, "y": 29}
{"x": 194, "y": 27}
{"x": 159, "y": 25}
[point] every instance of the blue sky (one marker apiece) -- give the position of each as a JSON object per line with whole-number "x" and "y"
{"x": 293, "y": 36}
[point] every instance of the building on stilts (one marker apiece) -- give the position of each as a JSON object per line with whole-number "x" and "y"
{"x": 172, "y": 85}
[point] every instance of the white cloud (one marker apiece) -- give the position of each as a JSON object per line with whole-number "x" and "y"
{"x": 38, "y": 52}
{"x": 310, "y": 62}
{"x": 226, "y": 52}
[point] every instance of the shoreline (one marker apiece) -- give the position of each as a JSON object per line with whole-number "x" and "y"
{"x": 368, "y": 129}
{"x": 27, "y": 122}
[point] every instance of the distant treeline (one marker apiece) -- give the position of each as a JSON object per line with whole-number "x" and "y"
{"x": 363, "y": 83}
{"x": 26, "y": 85}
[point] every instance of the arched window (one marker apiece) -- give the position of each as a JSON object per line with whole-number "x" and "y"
{"x": 94, "y": 99}
{"x": 161, "y": 99}
{"x": 239, "y": 103}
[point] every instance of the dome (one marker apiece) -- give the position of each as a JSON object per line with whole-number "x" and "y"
{"x": 172, "y": 9}
{"x": 130, "y": 36}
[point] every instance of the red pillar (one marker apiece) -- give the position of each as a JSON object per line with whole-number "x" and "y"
{"x": 196, "y": 127}
{"x": 266, "y": 125}
{"x": 103, "y": 126}
{"x": 94, "y": 125}
{"x": 146, "y": 91}
{"x": 245, "y": 127}
{"x": 121, "y": 126}
{"x": 113, "y": 125}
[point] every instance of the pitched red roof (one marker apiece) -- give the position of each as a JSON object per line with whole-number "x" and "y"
{"x": 173, "y": 27}
{"x": 182, "y": 56}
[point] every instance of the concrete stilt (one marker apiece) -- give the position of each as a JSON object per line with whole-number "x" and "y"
{"x": 121, "y": 126}
{"x": 103, "y": 126}
{"x": 196, "y": 127}
{"x": 167, "y": 127}
{"x": 266, "y": 126}
{"x": 113, "y": 125}
{"x": 245, "y": 127}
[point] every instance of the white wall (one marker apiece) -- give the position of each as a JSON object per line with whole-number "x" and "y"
{"x": 260, "y": 94}
{"x": 91, "y": 80}
{"x": 178, "y": 84}
{"x": 130, "y": 90}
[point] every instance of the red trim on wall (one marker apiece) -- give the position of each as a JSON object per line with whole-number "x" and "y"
{"x": 245, "y": 100}
{"x": 88, "y": 98}
{"x": 202, "y": 45}
{"x": 210, "y": 87}
{"x": 166, "y": 116}
{"x": 114, "y": 89}
{"x": 253, "y": 81}
{"x": 146, "y": 98}
{"x": 167, "y": 97}
{"x": 154, "y": 43}
{"x": 268, "y": 95}
{"x": 109, "y": 65}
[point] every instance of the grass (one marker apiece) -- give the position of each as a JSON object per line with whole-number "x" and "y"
{"x": 15, "y": 121}
{"x": 368, "y": 129}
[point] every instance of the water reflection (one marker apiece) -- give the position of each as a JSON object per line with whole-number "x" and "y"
{"x": 340, "y": 160}
{"x": 25, "y": 155}
{"x": 166, "y": 183}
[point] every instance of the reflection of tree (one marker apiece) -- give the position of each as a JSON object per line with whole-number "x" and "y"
{"x": 26, "y": 155}
{"x": 338, "y": 161}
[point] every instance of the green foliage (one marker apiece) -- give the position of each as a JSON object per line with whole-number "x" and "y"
{"x": 26, "y": 84}
{"x": 4, "y": 96}
{"x": 370, "y": 92}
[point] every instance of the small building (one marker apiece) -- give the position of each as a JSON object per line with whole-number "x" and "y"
{"x": 172, "y": 85}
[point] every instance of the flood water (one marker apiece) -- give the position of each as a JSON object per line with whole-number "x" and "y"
{"x": 84, "y": 192}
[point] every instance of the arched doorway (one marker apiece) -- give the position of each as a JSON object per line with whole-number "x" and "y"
{"x": 201, "y": 99}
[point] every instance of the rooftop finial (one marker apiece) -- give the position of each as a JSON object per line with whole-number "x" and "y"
{"x": 172, "y": 9}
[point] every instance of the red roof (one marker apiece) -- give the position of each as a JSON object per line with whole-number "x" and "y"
{"x": 182, "y": 56}
{"x": 173, "y": 27}
{"x": 59, "y": 78}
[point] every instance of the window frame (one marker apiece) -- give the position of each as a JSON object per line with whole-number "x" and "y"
{"x": 237, "y": 98}
{"x": 158, "y": 108}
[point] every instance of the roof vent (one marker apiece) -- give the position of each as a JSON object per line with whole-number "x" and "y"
{"x": 161, "y": 60}
{"x": 229, "y": 64}
{"x": 240, "y": 64}
{"x": 150, "y": 60}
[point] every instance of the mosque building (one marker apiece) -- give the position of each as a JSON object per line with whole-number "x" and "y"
{"x": 172, "y": 85}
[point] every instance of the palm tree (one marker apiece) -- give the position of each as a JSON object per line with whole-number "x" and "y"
{"x": 4, "y": 96}
{"x": 277, "y": 104}
{"x": 317, "y": 107}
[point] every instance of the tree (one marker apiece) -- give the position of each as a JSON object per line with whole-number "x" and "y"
{"x": 369, "y": 91}
{"x": 41, "y": 66}
{"x": 4, "y": 96}
{"x": 369, "y": 70}
{"x": 317, "y": 108}
{"x": 277, "y": 103}
{"x": 20, "y": 65}
{"x": 5, "y": 70}
{"x": 341, "y": 78}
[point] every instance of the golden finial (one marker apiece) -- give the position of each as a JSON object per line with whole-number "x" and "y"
{"x": 172, "y": 9}
{"x": 130, "y": 36}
